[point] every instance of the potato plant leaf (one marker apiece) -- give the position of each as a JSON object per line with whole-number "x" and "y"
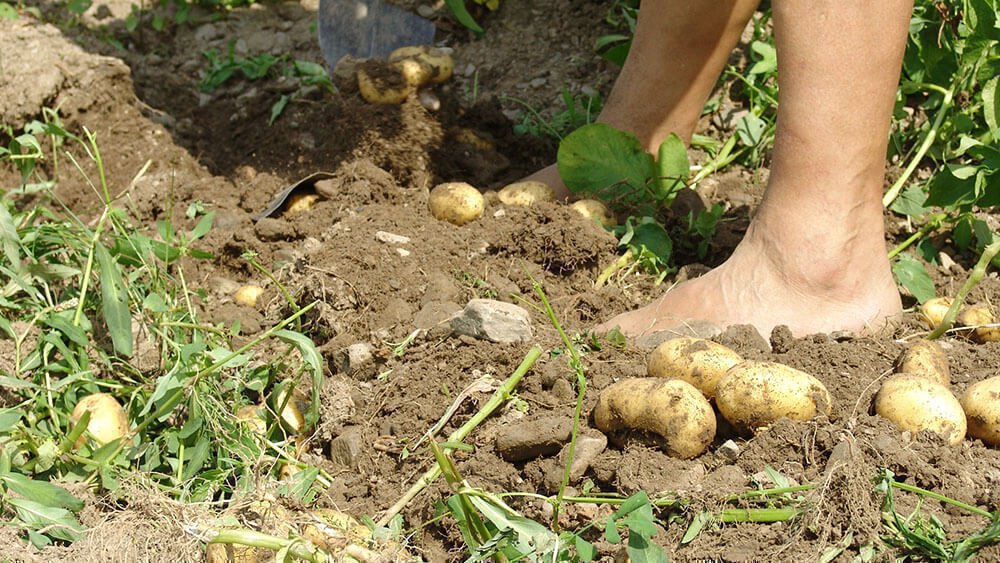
{"x": 314, "y": 362}
{"x": 463, "y": 16}
{"x": 41, "y": 492}
{"x": 58, "y": 523}
{"x": 912, "y": 275}
{"x": 598, "y": 160}
{"x": 114, "y": 302}
{"x": 674, "y": 167}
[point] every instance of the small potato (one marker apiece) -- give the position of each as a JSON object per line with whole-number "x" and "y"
{"x": 596, "y": 210}
{"x": 380, "y": 84}
{"x": 291, "y": 414}
{"x": 981, "y": 403}
{"x": 978, "y": 318}
{"x": 469, "y": 137}
{"x": 934, "y": 310}
{"x": 107, "y": 418}
{"x": 456, "y": 202}
{"x": 526, "y": 194}
{"x": 248, "y": 295}
{"x": 755, "y": 394}
{"x": 438, "y": 61}
{"x": 925, "y": 358}
{"x": 915, "y": 404}
{"x": 252, "y": 416}
{"x": 672, "y": 411}
{"x": 300, "y": 203}
{"x": 700, "y": 362}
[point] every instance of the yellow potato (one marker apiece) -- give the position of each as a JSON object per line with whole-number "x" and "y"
{"x": 596, "y": 210}
{"x": 439, "y": 62}
{"x": 300, "y": 203}
{"x": 755, "y": 394}
{"x": 927, "y": 359}
{"x": 979, "y": 317}
{"x": 473, "y": 139}
{"x": 253, "y": 417}
{"x": 673, "y": 412}
{"x": 915, "y": 404}
{"x": 290, "y": 413}
{"x": 700, "y": 362}
{"x": 248, "y": 295}
{"x": 526, "y": 194}
{"x": 107, "y": 418}
{"x": 382, "y": 85}
{"x": 981, "y": 403}
{"x": 934, "y": 310}
{"x": 456, "y": 202}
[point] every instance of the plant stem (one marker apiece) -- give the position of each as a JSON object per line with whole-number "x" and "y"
{"x": 757, "y": 514}
{"x": 606, "y": 273}
{"x": 939, "y": 497}
{"x": 770, "y": 492}
{"x": 897, "y": 186}
{"x": 499, "y": 397}
{"x": 933, "y": 222}
{"x": 974, "y": 278}
{"x": 301, "y": 548}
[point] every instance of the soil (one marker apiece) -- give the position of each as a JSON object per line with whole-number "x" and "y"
{"x": 139, "y": 93}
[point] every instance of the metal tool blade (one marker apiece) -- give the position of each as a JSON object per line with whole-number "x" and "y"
{"x": 368, "y": 28}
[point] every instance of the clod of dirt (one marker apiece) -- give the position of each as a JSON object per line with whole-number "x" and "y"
{"x": 781, "y": 339}
{"x": 492, "y": 320}
{"x": 347, "y": 447}
{"x": 530, "y": 439}
{"x": 588, "y": 448}
{"x": 435, "y": 316}
{"x": 745, "y": 340}
{"x": 356, "y": 360}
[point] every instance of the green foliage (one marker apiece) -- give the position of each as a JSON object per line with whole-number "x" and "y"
{"x": 580, "y": 109}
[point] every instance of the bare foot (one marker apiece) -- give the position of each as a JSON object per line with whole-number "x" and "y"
{"x": 757, "y": 287}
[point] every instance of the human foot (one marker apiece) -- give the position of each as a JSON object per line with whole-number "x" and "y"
{"x": 754, "y": 288}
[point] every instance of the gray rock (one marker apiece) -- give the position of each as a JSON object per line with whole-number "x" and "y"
{"x": 492, "y": 320}
{"x": 356, "y": 360}
{"x": 206, "y": 33}
{"x": 530, "y": 439}
{"x": 729, "y": 450}
{"x": 588, "y": 447}
{"x": 391, "y": 238}
{"x": 346, "y": 448}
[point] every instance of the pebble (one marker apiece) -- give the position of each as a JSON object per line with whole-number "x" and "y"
{"x": 729, "y": 451}
{"x": 206, "y": 33}
{"x": 391, "y": 238}
{"x": 496, "y": 321}
{"x": 538, "y": 82}
{"x": 425, "y": 11}
{"x": 588, "y": 447}
{"x": 403, "y": 252}
{"x": 357, "y": 360}
{"x": 346, "y": 448}
{"x": 533, "y": 438}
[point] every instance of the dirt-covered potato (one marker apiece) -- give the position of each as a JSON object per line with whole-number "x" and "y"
{"x": 927, "y": 359}
{"x": 300, "y": 203}
{"x": 979, "y": 318}
{"x": 673, "y": 412}
{"x": 933, "y": 311}
{"x": 915, "y": 404}
{"x": 981, "y": 403}
{"x": 526, "y": 194}
{"x": 248, "y": 295}
{"x": 437, "y": 61}
{"x": 456, "y": 202}
{"x": 253, "y": 417}
{"x": 755, "y": 394}
{"x": 700, "y": 362}
{"x": 382, "y": 84}
{"x": 107, "y": 418}
{"x": 596, "y": 210}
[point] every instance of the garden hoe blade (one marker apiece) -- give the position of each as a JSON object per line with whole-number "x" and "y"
{"x": 368, "y": 28}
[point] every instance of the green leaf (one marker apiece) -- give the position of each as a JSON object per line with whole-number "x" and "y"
{"x": 912, "y": 275}
{"x": 9, "y": 417}
{"x": 910, "y": 202}
{"x": 463, "y": 16}
{"x": 674, "y": 167}
{"x": 750, "y": 129}
{"x": 278, "y": 108}
{"x": 314, "y": 361}
{"x": 648, "y": 236}
{"x": 79, "y": 6}
{"x": 204, "y": 225}
{"x": 114, "y": 302}
{"x": 584, "y": 549}
{"x": 695, "y": 527}
{"x": 58, "y": 523}
{"x": 991, "y": 106}
{"x": 601, "y": 161}
{"x": 41, "y": 492}
{"x": 767, "y": 63}
{"x": 8, "y": 12}
{"x": 953, "y": 187}
{"x": 641, "y": 549}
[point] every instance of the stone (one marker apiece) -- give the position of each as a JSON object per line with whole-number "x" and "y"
{"x": 588, "y": 447}
{"x": 530, "y": 439}
{"x": 496, "y": 321}
{"x": 729, "y": 451}
{"x": 206, "y": 33}
{"x": 356, "y": 360}
{"x": 346, "y": 448}
{"x": 391, "y": 238}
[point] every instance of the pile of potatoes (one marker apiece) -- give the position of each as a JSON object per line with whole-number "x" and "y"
{"x": 459, "y": 203}
{"x": 978, "y": 320}
{"x": 673, "y": 405}
{"x": 918, "y": 398}
{"x": 407, "y": 70}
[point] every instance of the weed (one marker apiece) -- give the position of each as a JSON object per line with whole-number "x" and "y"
{"x": 579, "y": 109}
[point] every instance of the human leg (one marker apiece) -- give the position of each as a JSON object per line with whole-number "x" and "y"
{"x": 678, "y": 51}
{"x": 814, "y": 256}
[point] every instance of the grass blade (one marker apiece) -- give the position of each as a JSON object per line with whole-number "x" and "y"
{"x": 114, "y": 302}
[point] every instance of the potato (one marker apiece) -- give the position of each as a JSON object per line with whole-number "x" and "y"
{"x": 526, "y": 194}
{"x": 981, "y": 403}
{"x": 438, "y": 62}
{"x": 915, "y": 404}
{"x": 253, "y": 417}
{"x": 290, "y": 413}
{"x": 596, "y": 210}
{"x": 755, "y": 394}
{"x": 456, "y": 202}
{"x": 300, "y": 203}
{"x": 672, "y": 411}
{"x": 978, "y": 317}
{"x": 248, "y": 295}
{"x": 469, "y": 137}
{"x": 934, "y": 310}
{"x": 382, "y": 84}
{"x": 107, "y": 418}
{"x": 925, "y": 358}
{"x": 700, "y": 362}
